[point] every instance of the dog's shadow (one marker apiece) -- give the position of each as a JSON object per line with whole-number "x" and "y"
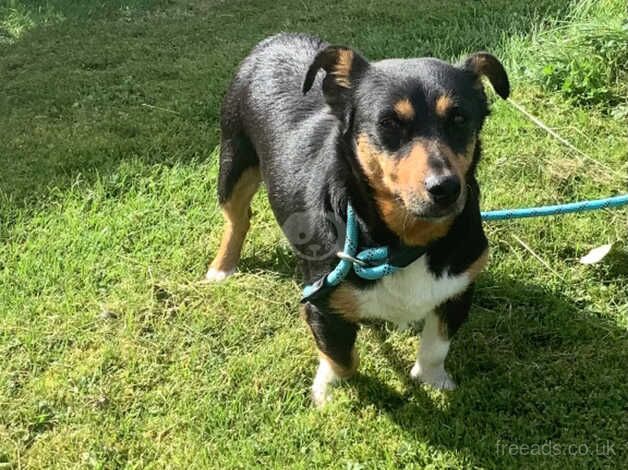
{"x": 280, "y": 261}
{"x": 533, "y": 367}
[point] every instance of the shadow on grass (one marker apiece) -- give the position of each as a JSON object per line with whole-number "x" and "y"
{"x": 616, "y": 264}
{"x": 280, "y": 261}
{"x": 533, "y": 368}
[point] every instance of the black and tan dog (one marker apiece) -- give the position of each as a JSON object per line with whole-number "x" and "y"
{"x": 396, "y": 139}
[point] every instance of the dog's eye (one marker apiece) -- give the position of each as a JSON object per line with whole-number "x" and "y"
{"x": 390, "y": 123}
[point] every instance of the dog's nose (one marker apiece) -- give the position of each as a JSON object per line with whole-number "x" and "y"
{"x": 444, "y": 190}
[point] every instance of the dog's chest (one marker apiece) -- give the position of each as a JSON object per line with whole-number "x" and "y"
{"x": 411, "y": 293}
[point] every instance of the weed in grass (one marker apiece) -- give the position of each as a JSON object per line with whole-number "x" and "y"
{"x": 585, "y": 59}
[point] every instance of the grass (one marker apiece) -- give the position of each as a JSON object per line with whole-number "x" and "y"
{"x": 585, "y": 58}
{"x": 114, "y": 355}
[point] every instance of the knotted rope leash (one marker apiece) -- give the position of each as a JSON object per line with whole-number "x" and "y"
{"x": 375, "y": 263}
{"x": 371, "y": 263}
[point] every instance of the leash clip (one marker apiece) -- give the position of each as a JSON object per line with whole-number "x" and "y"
{"x": 342, "y": 255}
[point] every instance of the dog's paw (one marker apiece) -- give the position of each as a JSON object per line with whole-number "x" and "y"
{"x": 437, "y": 378}
{"x": 320, "y": 396}
{"x": 215, "y": 275}
{"x": 324, "y": 378}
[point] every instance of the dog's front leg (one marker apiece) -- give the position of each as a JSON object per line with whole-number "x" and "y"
{"x": 439, "y": 327}
{"x": 335, "y": 338}
{"x": 429, "y": 367}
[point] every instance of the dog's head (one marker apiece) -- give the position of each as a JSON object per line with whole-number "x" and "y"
{"x": 414, "y": 126}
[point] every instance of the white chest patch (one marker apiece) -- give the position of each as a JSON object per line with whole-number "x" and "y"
{"x": 411, "y": 293}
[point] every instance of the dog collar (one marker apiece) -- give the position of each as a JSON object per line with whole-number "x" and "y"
{"x": 370, "y": 263}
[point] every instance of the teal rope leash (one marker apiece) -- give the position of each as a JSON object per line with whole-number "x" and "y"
{"x": 558, "y": 209}
{"x": 374, "y": 263}
{"x": 371, "y": 263}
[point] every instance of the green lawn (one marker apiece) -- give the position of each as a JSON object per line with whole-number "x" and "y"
{"x": 114, "y": 354}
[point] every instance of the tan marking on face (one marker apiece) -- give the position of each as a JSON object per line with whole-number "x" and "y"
{"x": 422, "y": 232}
{"x": 457, "y": 163}
{"x": 236, "y": 211}
{"x": 443, "y": 104}
{"x": 404, "y": 109}
{"x": 396, "y": 182}
{"x": 377, "y": 166}
{"x": 342, "y": 69}
{"x": 462, "y": 161}
{"x": 339, "y": 370}
{"x": 390, "y": 174}
{"x": 344, "y": 301}
{"x": 478, "y": 265}
{"x": 412, "y": 171}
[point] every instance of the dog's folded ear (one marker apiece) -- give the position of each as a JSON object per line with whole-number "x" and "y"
{"x": 343, "y": 67}
{"x": 487, "y": 65}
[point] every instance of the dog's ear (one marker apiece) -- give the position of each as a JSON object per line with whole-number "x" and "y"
{"x": 343, "y": 67}
{"x": 487, "y": 65}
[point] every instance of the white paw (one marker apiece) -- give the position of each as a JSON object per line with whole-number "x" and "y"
{"x": 325, "y": 376}
{"x": 214, "y": 275}
{"x": 437, "y": 377}
{"x": 320, "y": 396}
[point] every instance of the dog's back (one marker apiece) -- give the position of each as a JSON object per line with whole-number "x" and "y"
{"x": 271, "y": 131}
{"x": 265, "y": 96}
{"x": 268, "y": 123}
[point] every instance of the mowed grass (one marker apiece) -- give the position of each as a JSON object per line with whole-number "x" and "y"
{"x": 114, "y": 354}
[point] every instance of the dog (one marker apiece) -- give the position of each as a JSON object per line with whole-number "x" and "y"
{"x": 399, "y": 141}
